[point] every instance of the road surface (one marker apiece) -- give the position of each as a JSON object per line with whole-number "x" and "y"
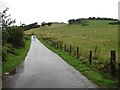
{"x": 43, "y": 68}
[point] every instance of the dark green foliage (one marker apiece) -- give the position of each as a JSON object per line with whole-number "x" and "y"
{"x": 5, "y": 35}
{"x": 13, "y": 37}
{"x": 30, "y": 26}
{"x": 44, "y": 24}
{"x": 103, "y": 18}
{"x": 81, "y": 21}
{"x": 115, "y": 23}
{"x": 16, "y": 36}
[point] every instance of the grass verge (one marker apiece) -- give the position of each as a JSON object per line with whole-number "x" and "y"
{"x": 99, "y": 78}
{"x": 14, "y": 60}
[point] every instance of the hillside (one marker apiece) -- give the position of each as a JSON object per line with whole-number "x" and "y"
{"x": 97, "y": 35}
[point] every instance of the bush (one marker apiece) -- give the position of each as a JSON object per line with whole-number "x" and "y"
{"x": 5, "y": 35}
{"x": 14, "y": 36}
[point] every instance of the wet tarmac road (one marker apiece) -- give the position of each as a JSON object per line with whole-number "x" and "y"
{"x": 44, "y": 69}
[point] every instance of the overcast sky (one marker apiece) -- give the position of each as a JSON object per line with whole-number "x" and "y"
{"x": 29, "y": 11}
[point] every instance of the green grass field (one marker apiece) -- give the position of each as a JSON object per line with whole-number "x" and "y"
{"x": 97, "y": 35}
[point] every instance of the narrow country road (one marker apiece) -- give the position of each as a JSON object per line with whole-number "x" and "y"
{"x": 43, "y": 68}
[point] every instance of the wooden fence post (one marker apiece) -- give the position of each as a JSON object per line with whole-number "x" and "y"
{"x": 61, "y": 46}
{"x": 57, "y": 45}
{"x": 50, "y": 42}
{"x": 53, "y": 44}
{"x": 77, "y": 52}
{"x": 65, "y": 47}
{"x": 70, "y": 49}
{"x": 90, "y": 57}
{"x": 113, "y": 62}
{"x": 119, "y": 74}
{"x": 41, "y": 35}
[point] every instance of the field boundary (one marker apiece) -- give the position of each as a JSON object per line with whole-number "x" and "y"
{"x": 111, "y": 67}
{"x": 89, "y": 70}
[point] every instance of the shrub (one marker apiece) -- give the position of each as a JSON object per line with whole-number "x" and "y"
{"x": 16, "y": 36}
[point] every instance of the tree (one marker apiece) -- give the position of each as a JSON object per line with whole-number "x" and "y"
{"x": 11, "y": 34}
{"x": 5, "y": 20}
{"x": 43, "y": 24}
{"x": 49, "y": 24}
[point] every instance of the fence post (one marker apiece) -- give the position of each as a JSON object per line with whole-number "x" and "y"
{"x": 70, "y": 49}
{"x": 90, "y": 57}
{"x": 77, "y": 52}
{"x": 65, "y": 47}
{"x": 50, "y": 42}
{"x": 61, "y": 46}
{"x": 57, "y": 45}
{"x": 41, "y": 35}
{"x": 53, "y": 44}
{"x": 119, "y": 74}
{"x": 113, "y": 62}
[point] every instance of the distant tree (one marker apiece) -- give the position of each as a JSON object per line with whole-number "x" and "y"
{"x": 49, "y": 24}
{"x": 23, "y": 25}
{"x": 91, "y": 18}
{"x": 71, "y": 21}
{"x": 30, "y": 26}
{"x": 81, "y": 21}
{"x": 43, "y": 24}
{"x": 115, "y": 23}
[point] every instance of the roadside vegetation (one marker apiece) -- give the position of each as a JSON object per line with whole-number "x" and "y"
{"x": 15, "y": 44}
{"x": 14, "y": 56}
{"x": 101, "y": 79}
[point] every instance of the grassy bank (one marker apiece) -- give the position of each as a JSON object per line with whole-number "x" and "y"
{"x": 13, "y": 60}
{"x": 99, "y": 78}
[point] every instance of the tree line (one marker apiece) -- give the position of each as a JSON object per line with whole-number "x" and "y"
{"x": 84, "y": 22}
{"x": 30, "y": 26}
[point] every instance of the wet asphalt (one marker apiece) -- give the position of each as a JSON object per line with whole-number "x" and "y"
{"x": 42, "y": 68}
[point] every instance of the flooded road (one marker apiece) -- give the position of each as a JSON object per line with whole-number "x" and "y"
{"x": 43, "y": 68}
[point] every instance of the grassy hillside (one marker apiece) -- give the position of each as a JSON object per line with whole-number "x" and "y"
{"x": 98, "y": 35}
